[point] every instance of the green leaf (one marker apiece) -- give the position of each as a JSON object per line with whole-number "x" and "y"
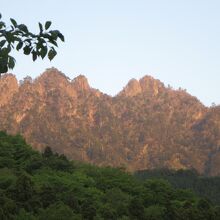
{"x": 43, "y": 52}
{"x": 3, "y": 69}
{"x": 5, "y": 51}
{"x": 3, "y": 62}
{"x": 52, "y": 53}
{"x": 53, "y": 42}
{"x": 54, "y": 34}
{"x": 12, "y": 27}
{"x": 41, "y": 27}
{"x": 27, "y": 50}
{"x": 23, "y": 28}
{"x": 47, "y": 24}
{"x": 34, "y": 55}
{"x": 61, "y": 37}
{"x": 13, "y": 22}
{"x": 9, "y": 48}
{"x": 9, "y": 37}
{"x": 2, "y": 24}
{"x": 11, "y": 62}
{"x": 19, "y": 46}
{"x": 2, "y": 43}
{"x": 0, "y": 16}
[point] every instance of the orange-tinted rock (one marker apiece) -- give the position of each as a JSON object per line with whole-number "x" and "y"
{"x": 146, "y": 126}
{"x": 151, "y": 86}
{"x": 80, "y": 83}
{"x": 8, "y": 87}
{"x": 133, "y": 88}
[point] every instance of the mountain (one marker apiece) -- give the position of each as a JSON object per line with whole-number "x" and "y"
{"x": 146, "y": 126}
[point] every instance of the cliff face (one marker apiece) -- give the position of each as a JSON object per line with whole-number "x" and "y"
{"x": 146, "y": 85}
{"x": 145, "y": 126}
{"x": 8, "y": 87}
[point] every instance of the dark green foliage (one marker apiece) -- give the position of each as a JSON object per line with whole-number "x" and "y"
{"x": 24, "y": 188}
{"x": 48, "y": 187}
{"x": 47, "y": 152}
{"x": 17, "y": 36}
{"x": 185, "y": 180}
{"x": 58, "y": 211}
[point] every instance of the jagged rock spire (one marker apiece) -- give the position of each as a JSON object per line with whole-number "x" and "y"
{"x": 146, "y": 85}
{"x": 80, "y": 83}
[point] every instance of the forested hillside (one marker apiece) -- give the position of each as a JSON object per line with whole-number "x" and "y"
{"x": 47, "y": 186}
{"x": 146, "y": 126}
{"x": 208, "y": 187}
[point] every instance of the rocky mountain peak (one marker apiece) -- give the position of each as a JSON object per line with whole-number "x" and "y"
{"x": 133, "y": 88}
{"x": 52, "y": 76}
{"x": 146, "y": 85}
{"x": 150, "y": 85}
{"x": 51, "y": 80}
{"x": 80, "y": 83}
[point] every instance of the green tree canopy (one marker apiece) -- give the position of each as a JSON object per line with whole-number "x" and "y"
{"x": 36, "y": 186}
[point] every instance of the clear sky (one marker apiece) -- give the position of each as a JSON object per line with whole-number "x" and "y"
{"x": 112, "y": 41}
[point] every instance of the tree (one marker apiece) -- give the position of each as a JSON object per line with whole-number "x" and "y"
{"x": 154, "y": 212}
{"x": 23, "y": 215}
{"x": 136, "y": 208}
{"x": 24, "y": 188}
{"x": 17, "y": 36}
{"x": 58, "y": 211}
{"x": 47, "y": 152}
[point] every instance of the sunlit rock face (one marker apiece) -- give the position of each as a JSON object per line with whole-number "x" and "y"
{"x": 8, "y": 87}
{"x": 145, "y": 126}
{"x": 147, "y": 86}
{"x": 133, "y": 88}
{"x": 151, "y": 86}
{"x": 80, "y": 83}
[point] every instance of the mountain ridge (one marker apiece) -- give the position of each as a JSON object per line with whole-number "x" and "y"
{"x": 145, "y": 126}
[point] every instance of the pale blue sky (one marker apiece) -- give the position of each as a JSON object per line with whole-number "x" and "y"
{"x": 112, "y": 41}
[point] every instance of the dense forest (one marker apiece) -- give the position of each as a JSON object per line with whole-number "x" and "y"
{"x": 203, "y": 186}
{"x": 49, "y": 186}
